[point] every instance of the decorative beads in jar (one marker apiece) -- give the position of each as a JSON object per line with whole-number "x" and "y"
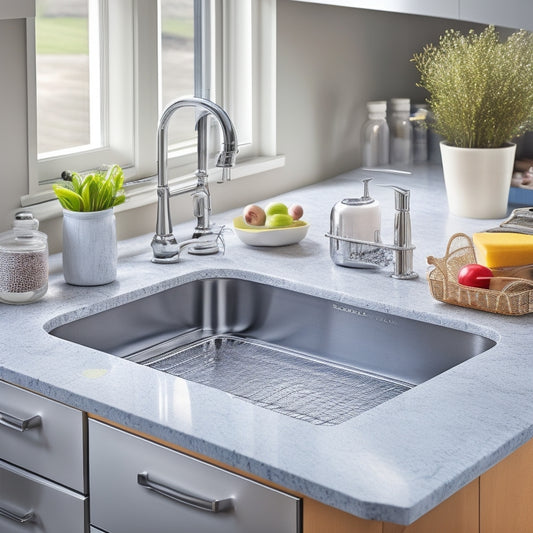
{"x": 23, "y": 261}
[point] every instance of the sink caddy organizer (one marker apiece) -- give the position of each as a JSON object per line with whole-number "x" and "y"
{"x": 515, "y": 299}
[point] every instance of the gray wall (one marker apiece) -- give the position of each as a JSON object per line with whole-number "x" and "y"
{"x": 331, "y": 60}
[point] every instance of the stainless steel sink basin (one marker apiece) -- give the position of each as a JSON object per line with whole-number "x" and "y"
{"x": 307, "y": 357}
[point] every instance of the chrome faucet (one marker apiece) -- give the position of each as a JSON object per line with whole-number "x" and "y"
{"x": 165, "y": 247}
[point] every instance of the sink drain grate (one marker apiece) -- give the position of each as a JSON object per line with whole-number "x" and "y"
{"x": 277, "y": 379}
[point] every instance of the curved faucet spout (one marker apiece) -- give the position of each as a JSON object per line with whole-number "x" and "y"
{"x": 164, "y": 243}
{"x": 226, "y": 158}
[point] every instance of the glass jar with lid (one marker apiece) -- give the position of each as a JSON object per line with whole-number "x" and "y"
{"x": 375, "y": 136}
{"x": 401, "y": 132}
{"x": 23, "y": 261}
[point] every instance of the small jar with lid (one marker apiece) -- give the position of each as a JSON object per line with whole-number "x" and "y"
{"x": 401, "y": 132}
{"x": 420, "y": 133}
{"x": 23, "y": 261}
{"x": 375, "y": 136}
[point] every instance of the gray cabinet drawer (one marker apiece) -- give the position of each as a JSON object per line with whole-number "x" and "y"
{"x": 30, "y": 503}
{"x": 136, "y": 484}
{"x": 52, "y": 444}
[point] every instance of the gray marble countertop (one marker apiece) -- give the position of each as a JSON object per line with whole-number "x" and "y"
{"x": 395, "y": 462}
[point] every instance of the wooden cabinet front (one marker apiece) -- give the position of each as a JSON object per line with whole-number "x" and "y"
{"x": 506, "y": 494}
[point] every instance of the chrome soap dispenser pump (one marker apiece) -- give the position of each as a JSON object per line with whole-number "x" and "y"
{"x": 403, "y": 264}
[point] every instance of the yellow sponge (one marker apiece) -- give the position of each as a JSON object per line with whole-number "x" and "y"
{"x": 496, "y": 250}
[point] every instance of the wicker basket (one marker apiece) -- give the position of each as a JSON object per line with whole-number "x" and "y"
{"x": 515, "y": 299}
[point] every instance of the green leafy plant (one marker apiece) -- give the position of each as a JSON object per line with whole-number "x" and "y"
{"x": 93, "y": 192}
{"x": 481, "y": 89}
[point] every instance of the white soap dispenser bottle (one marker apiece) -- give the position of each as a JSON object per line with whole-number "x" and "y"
{"x": 357, "y": 218}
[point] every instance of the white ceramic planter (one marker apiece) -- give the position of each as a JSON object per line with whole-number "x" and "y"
{"x": 89, "y": 247}
{"x": 478, "y": 180}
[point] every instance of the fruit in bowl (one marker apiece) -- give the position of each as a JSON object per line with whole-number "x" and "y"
{"x": 276, "y": 225}
{"x": 278, "y": 220}
{"x": 275, "y": 215}
{"x": 296, "y": 211}
{"x": 276, "y": 208}
{"x": 254, "y": 215}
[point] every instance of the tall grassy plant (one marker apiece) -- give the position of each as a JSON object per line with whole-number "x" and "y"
{"x": 480, "y": 89}
{"x": 94, "y": 192}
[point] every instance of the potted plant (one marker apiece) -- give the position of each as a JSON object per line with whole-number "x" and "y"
{"x": 89, "y": 231}
{"x": 481, "y": 96}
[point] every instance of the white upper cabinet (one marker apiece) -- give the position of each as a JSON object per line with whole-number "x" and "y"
{"x": 512, "y": 13}
{"x": 433, "y": 8}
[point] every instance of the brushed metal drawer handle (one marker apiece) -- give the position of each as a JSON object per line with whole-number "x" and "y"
{"x": 21, "y": 519}
{"x": 19, "y": 424}
{"x": 213, "y": 506}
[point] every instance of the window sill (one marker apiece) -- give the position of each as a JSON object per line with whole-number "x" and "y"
{"x": 141, "y": 193}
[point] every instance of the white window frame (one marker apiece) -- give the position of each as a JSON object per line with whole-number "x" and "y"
{"x": 116, "y": 71}
{"x": 244, "y": 83}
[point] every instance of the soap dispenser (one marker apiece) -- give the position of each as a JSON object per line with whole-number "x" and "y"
{"x": 357, "y": 219}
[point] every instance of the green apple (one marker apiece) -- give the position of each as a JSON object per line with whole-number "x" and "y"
{"x": 278, "y": 220}
{"x": 276, "y": 208}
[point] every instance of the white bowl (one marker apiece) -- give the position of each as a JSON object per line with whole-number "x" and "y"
{"x": 261, "y": 236}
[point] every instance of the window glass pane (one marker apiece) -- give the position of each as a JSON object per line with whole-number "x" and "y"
{"x": 177, "y": 64}
{"x": 63, "y": 81}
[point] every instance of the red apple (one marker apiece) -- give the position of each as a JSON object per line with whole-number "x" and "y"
{"x": 475, "y": 275}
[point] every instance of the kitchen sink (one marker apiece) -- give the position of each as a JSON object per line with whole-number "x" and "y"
{"x": 311, "y": 358}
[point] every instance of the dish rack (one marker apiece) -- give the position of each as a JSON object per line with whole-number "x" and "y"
{"x": 515, "y": 299}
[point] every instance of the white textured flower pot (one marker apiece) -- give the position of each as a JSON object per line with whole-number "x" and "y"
{"x": 89, "y": 247}
{"x": 478, "y": 180}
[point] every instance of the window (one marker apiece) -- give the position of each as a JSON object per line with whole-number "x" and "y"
{"x": 106, "y": 68}
{"x": 66, "y": 73}
{"x": 81, "y": 109}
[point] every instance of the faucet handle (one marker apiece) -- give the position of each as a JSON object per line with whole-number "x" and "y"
{"x": 207, "y": 244}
